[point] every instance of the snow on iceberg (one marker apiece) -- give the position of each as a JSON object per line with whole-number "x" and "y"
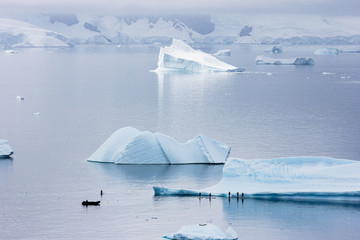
{"x": 327, "y": 51}
{"x": 294, "y": 177}
{"x": 5, "y": 149}
{"x": 262, "y": 60}
{"x": 181, "y": 57}
{"x": 203, "y": 232}
{"x": 131, "y": 146}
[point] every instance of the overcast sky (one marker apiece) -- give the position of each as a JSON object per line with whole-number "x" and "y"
{"x": 322, "y": 7}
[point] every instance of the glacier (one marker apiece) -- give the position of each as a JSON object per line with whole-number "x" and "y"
{"x": 203, "y": 232}
{"x": 263, "y": 60}
{"x": 15, "y": 33}
{"x": 327, "y": 51}
{"x": 5, "y": 149}
{"x": 181, "y": 57}
{"x": 129, "y": 145}
{"x": 292, "y": 177}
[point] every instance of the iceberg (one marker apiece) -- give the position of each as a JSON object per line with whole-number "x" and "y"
{"x": 277, "y": 49}
{"x": 293, "y": 177}
{"x": 327, "y": 51}
{"x": 5, "y": 149}
{"x": 203, "y": 232}
{"x": 224, "y": 52}
{"x": 181, "y": 57}
{"x": 131, "y": 146}
{"x": 262, "y": 60}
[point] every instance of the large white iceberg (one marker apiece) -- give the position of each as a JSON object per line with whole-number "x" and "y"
{"x": 131, "y": 146}
{"x": 5, "y": 149}
{"x": 203, "y": 232}
{"x": 181, "y": 57}
{"x": 262, "y": 60}
{"x": 294, "y": 177}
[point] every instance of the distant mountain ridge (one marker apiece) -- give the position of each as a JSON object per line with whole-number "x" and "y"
{"x": 51, "y": 30}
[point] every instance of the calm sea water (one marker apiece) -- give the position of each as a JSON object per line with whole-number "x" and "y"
{"x": 85, "y": 94}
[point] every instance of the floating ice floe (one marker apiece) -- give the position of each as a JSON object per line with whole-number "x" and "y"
{"x": 36, "y": 114}
{"x": 262, "y": 60}
{"x": 5, "y": 149}
{"x": 131, "y": 146}
{"x": 19, "y": 98}
{"x": 327, "y": 51}
{"x": 294, "y": 177}
{"x": 203, "y": 232}
{"x": 181, "y": 57}
{"x": 224, "y": 52}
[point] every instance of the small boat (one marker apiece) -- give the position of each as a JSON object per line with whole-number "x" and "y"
{"x": 93, "y": 203}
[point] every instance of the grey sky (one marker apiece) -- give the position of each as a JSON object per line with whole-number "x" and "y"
{"x": 323, "y": 7}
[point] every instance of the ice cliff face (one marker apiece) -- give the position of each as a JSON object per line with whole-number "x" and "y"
{"x": 5, "y": 149}
{"x": 296, "y": 177}
{"x": 181, "y": 57}
{"x": 131, "y": 146}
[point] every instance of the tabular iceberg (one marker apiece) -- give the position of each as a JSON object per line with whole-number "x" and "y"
{"x": 131, "y": 146}
{"x": 181, "y": 57}
{"x": 262, "y": 60}
{"x": 203, "y": 232}
{"x": 327, "y": 51}
{"x": 5, "y": 149}
{"x": 295, "y": 177}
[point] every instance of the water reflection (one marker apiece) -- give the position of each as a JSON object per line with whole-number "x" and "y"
{"x": 191, "y": 173}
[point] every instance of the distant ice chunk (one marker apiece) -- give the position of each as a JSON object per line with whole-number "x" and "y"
{"x": 277, "y": 49}
{"x": 181, "y": 57}
{"x": 131, "y": 146}
{"x": 19, "y": 98}
{"x": 350, "y": 49}
{"x": 203, "y": 232}
{"x": 37, "y": 114}
{"x": 224, "y": 52}
{"x": 327, "y": 51}
{"x": 10, "y": 52}
{"x": 5, "y": 149}
{"x": 262, "y": 60}
{"x": 294, "y": 177}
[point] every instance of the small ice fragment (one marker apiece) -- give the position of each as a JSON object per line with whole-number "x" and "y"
{"x": 37, "y": 114}
{"x": 5, "y": 149}
{"x": 328, "y": 73}
{"x": 19, "y": 98}
{"x": 269, "y": 74}
{"x": 202, "y": 232}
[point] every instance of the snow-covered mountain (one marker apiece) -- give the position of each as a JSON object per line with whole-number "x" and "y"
{"x": 71, "y": 29}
